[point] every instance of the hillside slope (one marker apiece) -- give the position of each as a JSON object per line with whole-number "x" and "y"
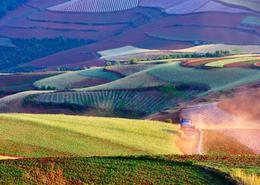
{"x": 59, "y": 135}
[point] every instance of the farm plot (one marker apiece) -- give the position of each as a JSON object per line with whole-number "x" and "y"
{"x": 135, "y": 81}
{"x": 14, "y": 102}
{"x": 217, "y": 79}
{"x": 257, "y": 64}
{"x": 13, "y": 83}
{"x": 159, "y": 3}
{"x": 247, "y": 137}
{"x": 83, "y": 136}
{"x": 204, "y": 34}
{"x": 78, "y": 79}
{"x": 108, "y": 19}
{"x": 98, "y": 6}
{"x": 111, "y": 54}
{"x": 215, "y": 142}
{"x": 100, "y": 72}
{"x": 110, "y": 170}
{"x": 127, "y": 70}
{"x": 142, "y": 102}
{"x": 251, "y": 20}
{"x": 233, "y": 49}
{"x": 197, "y": 62}
{"x": 193, "y": 6}
{"x": 250, "y": 4}
{"x": 240, "y": 59}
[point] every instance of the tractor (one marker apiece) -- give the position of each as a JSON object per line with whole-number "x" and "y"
{"x": 187, "y": 128}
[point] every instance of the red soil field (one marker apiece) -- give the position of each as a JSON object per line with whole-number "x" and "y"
{"x": 124, "y": 17}
{"x": 25, "y": 23}
{"x": 203, "y": 19}
{"x": 16, "y": 32}
{"x": 257, "y": 64}
{"x": 20, "y": 82}
{"x": 215, "y": 142}
{"x": 73, "y": 57}
{"x": 207, "y": 34}
{"x": 198, "y": 62}
{"x": 241, "y": 64}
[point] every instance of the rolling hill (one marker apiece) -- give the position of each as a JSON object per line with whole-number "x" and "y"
{"x": 60, "y": 135}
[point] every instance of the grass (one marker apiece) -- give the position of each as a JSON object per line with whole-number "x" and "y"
{"x": 99, "y": 73}
{"x": 135, "y": 81}
{"x": 217, "y": 79}
{"x": 78, "y": 79}
{"x": 113, "y": 170}
{"x": 223, "y": 62}
{"x": 60, "y": 135}
{"x": 127, "y": 70}
{"x": 246, "y": 178}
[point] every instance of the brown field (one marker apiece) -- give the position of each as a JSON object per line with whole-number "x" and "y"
{"x": 14, "y": 83}
{"x": 215, "y": 142}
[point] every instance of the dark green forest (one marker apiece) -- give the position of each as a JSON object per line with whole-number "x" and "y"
{"x": 27, "y": 50}
{"x": 7, "y": 5}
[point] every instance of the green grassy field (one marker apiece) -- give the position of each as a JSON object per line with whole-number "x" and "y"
{"x": 135, "y": 81}
{"x": 127, "y": 170}
{"x": 217, "y": 79}
{"x": 127, "y": 70}
{"x": 78, "y": 79}
{"x": 99, "y": 73}
{"x": 59, "y": 135}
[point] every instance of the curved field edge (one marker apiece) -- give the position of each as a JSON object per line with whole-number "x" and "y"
{"x": 82, "y": 78}
{"x": 61, "y": 135}
{"x": 112, "y": 170}
{"x": 217, "y": 79}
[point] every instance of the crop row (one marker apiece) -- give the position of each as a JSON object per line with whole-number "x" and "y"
{"x": 135, "y": 101}
{"x": 95, "y": 5}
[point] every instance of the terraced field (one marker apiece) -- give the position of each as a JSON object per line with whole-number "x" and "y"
{"x": 191, "y": 6}
{"x": 83, "y": 136}
{"x": 95, "y": 6}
